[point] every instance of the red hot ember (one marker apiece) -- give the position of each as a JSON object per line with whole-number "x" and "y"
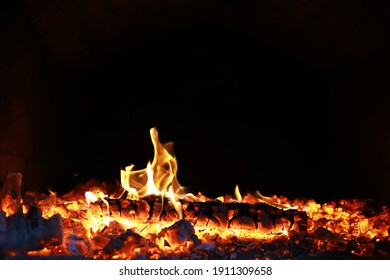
{"x": 151, "y": 216}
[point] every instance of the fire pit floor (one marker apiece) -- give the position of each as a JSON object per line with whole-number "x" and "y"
{"x": 54, "y": 227}
{"x": 153, "y": 217}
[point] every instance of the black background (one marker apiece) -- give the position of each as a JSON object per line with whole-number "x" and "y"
{"x": 259, "y": 97}
{"x": 261, "y": 121}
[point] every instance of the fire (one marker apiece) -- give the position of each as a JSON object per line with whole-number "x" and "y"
{"x": 158, "y": 178}
{"x": 150, "y": 215}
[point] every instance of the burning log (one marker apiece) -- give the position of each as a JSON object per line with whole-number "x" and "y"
{"x": 255, "y": 217}
{"x": 21, "y": 233}
{"x": 210, "y": 214}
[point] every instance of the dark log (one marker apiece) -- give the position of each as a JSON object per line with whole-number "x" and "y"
{"x": 21, "y": 233}
{"x": 76, "y": 246}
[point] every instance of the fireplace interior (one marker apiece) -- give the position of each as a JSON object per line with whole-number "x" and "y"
{"x": 288, "y": 98}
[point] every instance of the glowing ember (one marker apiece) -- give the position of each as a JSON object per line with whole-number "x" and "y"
{"x": 150, "y": 216}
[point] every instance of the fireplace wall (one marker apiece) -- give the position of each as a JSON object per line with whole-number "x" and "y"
{"x": 289, "y": 98}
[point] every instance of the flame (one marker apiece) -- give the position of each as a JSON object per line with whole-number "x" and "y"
{"x": 90, "y": 197}
{"x": 238, "y": 194}
{"x": 125, "y": 181}
{"x": 158, "y": 178}
{"x": 274, "y": 201}
{"x": 94, "y": 195}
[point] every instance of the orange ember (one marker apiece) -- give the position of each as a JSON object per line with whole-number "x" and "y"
{"x": 149, "y": 215}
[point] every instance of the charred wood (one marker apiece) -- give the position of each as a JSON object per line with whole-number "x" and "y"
{"x": 21, "y": 233}
{"x": 261, "y": 217}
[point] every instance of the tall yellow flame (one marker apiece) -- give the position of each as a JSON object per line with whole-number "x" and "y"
{"x": 158, "y": 178}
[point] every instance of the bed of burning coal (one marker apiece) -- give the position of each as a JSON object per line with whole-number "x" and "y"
{"x": 49, "y": 226}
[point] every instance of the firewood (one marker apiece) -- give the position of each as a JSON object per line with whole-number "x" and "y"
{"x": 260, "y": 216}
{"x": 29, "y": 232}
{"x": 3, "y": 224}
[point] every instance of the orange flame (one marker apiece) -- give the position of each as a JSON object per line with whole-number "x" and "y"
{"x": 158, "y": 178}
